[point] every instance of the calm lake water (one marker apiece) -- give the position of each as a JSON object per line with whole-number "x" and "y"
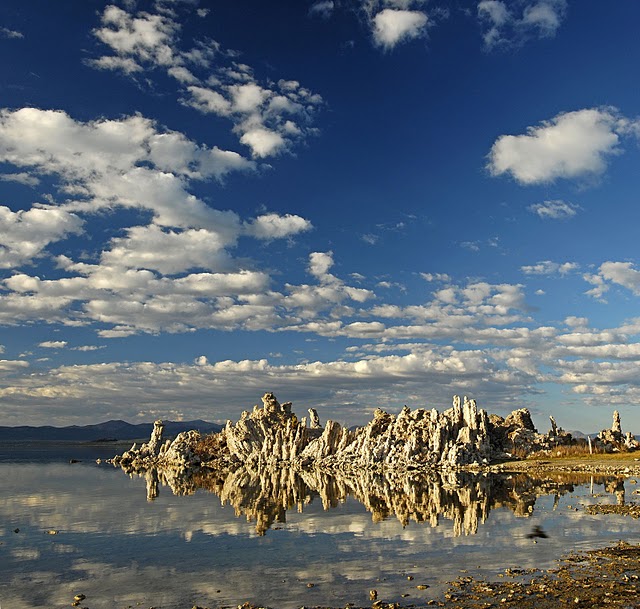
{"x": 91, "y": 529}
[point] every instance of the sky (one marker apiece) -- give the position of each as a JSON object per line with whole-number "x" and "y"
{"x": 350, "y": 203}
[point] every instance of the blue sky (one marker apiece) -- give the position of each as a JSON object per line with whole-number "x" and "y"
{"x": 354, "y": 204}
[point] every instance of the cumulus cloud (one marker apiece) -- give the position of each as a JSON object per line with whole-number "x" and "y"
{"x": 145, "y": 36}
{"x": 170, "y": 252}
{"x": 319, "y": 265}
{"x": 20, "y": 178}
{"x": 619, "y": 273}
{"x": 8, "y": 33}
{"x": 9, "y": 366}
{"x": 435, "y": 277}
{"x": 434, "y": 373}
{"x": 547, "y": 267}
{"x": 267, "y": 117}
{"x": 174, "y": 274}
{"x": 322, "y": 8}
{"x": 86, "y": 348}
{"x": 273, "y": 226}
{"x": 392, "y": 26}
{"x": 128, "y": 162}
{"x": 53, "y": 344}
{"x": 25, "y": 234}
{"x": 554, "y": 210}
{"x": 571, "y": 145}
{"x": 506, "y": 24}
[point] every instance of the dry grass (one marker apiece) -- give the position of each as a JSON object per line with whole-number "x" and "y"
{"x": 581, "y": 450}
{"x": 210, "y": 446}
{"x": 578, "y": 448}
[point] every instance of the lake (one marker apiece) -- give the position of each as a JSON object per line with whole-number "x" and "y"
{"x": 275, "y": 538}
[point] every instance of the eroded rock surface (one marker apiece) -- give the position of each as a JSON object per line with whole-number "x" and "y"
{"x": 177, "y": 454}
{"x": 613, "y": 439}
{"x": 271, "y": 435}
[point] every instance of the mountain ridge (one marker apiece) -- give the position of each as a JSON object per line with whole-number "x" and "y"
{"x": 112, "y": 430}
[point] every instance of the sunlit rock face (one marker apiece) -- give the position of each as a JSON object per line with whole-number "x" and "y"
{"x": 272, "y": 435}
{"x": 613, "y": 439}
{"x": 411, "y": 440}
{"x": 409, "y": 465}
{"x": 177, "y": 454}
{"x": 268, "y": 435}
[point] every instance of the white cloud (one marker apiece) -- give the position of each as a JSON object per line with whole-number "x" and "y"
{"x": 547, "y": 267}
{"x": 322, "y": 8}
{"x": 600, "y": 285}
{"x": 128, "y": 162}
{"x": 370, "y": 238}
{"x": 267, "y": 118}
{"x": 434, "y": 373}
{"x": 435, "y": 277}
{"x": 474, "y": 246}
{"x": 571, "y": 145}
{"x": 620, "y": 273}
{"x": 53, "y": 344}
{"x": 319, "y": 265}
{"x": 171, "y": 252}
{"x": 273, "y": 226}
{"x": 7, "y": 33}
{"x": 392, "y": 26}
{"x": 124, "y": 64}
{"x": 146, "y": 36}
{"x": 20, "y": 178}
{"x": 576, "y": 322}
{"x": 86, "y": 348}
{"x": 554, "y": 210}
{"x": 263, "y": 142}
{"x": 506, "y": 24}
{"x": 9, "y": 366}
{"x": 182, "y": 75}
{"x": 545, "y": 16}
{"x": 25, "y": 234}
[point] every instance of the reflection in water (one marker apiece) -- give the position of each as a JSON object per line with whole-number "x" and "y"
{"x": 181, "y": 551}
{"x": 465, "y": 499}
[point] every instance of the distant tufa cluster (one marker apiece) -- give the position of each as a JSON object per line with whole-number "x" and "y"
{"x": 614, "y": 440}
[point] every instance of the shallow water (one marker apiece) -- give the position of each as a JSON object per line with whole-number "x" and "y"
{"x": 120, "y": 549}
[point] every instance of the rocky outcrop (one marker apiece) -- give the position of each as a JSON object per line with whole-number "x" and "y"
{"x": 271, "y": 436}
{"x": 415, "y": 439}
{"x": 517, "y": 436}
{"x": 614, "y": 440}
{"x": 177, "y": 454}
{"x": 268, "y": 435}
{"x": 411, "y": 440}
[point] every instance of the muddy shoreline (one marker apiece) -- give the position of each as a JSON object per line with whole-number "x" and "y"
{"x": 617, "y": 464}
{"x": 605, "y": 577}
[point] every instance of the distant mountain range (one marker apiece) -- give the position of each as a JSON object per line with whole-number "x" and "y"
{"x": 110, "y": 431}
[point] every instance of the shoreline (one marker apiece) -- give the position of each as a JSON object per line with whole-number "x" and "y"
{"x": 608, "y": 576}
{"x": 620, "y": 464}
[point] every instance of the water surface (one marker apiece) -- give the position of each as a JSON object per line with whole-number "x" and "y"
{"x": 85, "y": 528}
